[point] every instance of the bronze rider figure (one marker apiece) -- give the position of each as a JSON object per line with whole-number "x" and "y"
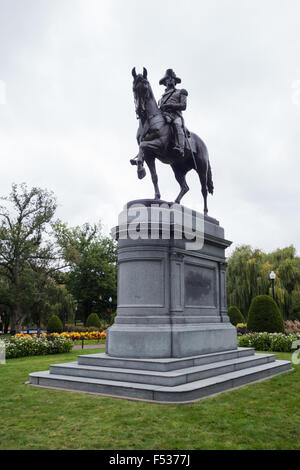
{"x": 172, "y": 103}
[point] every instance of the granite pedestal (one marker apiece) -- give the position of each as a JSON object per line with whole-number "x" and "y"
{"x": 171, "y": 300}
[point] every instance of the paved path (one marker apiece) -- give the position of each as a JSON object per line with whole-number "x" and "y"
{"x": 89, "y": 346}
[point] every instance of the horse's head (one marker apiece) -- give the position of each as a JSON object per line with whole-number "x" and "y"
{"x": 141, "y": 92}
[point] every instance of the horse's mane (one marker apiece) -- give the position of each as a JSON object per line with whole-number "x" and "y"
{"x": 151, "y": 93}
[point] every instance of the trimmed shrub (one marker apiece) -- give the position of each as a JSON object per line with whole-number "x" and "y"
{"x": 54, "y": 325}
{"x": 235, "y": 315}
{"x": 264, "y": 315}
{"x": 93, "y": 320}
{"x": 258, "y": 341}
{"x": 276, "y": 342}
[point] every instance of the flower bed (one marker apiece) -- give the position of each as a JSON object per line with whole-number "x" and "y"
{"x": 292, "y": 326}
{"x": 276, "y": 342}
{"x": 25, "y": 345}
{"x": 87, "y": 335}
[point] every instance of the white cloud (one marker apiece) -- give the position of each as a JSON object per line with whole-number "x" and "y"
{"x": 69, "y": 122}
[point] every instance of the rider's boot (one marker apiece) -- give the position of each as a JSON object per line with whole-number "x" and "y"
{"x": 179, "y": 146}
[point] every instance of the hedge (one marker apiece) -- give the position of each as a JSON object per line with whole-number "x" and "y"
{"x": 276, "y": 342}
{"x": 22, "y": 346}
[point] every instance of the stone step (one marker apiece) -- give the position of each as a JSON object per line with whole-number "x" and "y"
{"x": 178, "y": 394}
{"x": 170, "y": 378}
{"x": 163, "y": 365}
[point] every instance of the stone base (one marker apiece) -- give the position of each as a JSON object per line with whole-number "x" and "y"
{"x": 171, "y": 380}
{"x": 167, "y": 341}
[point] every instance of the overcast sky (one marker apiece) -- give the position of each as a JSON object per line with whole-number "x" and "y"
{"x": 67, "y": 119}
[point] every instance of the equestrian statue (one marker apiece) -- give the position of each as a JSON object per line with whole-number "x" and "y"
{"x": 162, "y": 134}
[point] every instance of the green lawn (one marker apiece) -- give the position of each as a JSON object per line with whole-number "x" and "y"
{"x": 264, "y": 415}
{"x": 78, "y": 342}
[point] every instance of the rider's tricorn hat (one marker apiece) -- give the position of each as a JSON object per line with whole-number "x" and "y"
{"x": 169, "y": 73}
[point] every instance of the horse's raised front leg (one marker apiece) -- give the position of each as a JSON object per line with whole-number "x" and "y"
{"x": 141, "y": 172}
{"x": 151, "y": 165}
{"x": 139, "y": 161}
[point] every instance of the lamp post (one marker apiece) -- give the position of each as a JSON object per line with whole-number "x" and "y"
{"x": 273, "y": 277}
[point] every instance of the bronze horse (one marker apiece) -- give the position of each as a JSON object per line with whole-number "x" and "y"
{"x": 154, "y": 138}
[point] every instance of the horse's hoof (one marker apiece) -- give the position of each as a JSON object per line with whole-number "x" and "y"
{"x": 141, "y": 173}
{"x": 133, "y": 161}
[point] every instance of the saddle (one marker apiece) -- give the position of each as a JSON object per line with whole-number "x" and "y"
{"x": 189, "y": 144}
{"x": 188, "y": 141}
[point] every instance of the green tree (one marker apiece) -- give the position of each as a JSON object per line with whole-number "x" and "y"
{"x": 248, "y": 276}
{"x": 92, "y": 277}
{"x": 51, "y": 298}
{"x": 5, "y": 301}
{"x": 245, "y": 277}
{"x": 24, "y": 217}
{"x": 295, "y": 304}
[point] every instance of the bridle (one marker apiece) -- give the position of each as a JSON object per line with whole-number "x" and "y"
{"x": 141, "y": 95}
{"x": 139, "y": 98}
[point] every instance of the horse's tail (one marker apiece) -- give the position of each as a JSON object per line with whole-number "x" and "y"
{"x": 210, "y": 184}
